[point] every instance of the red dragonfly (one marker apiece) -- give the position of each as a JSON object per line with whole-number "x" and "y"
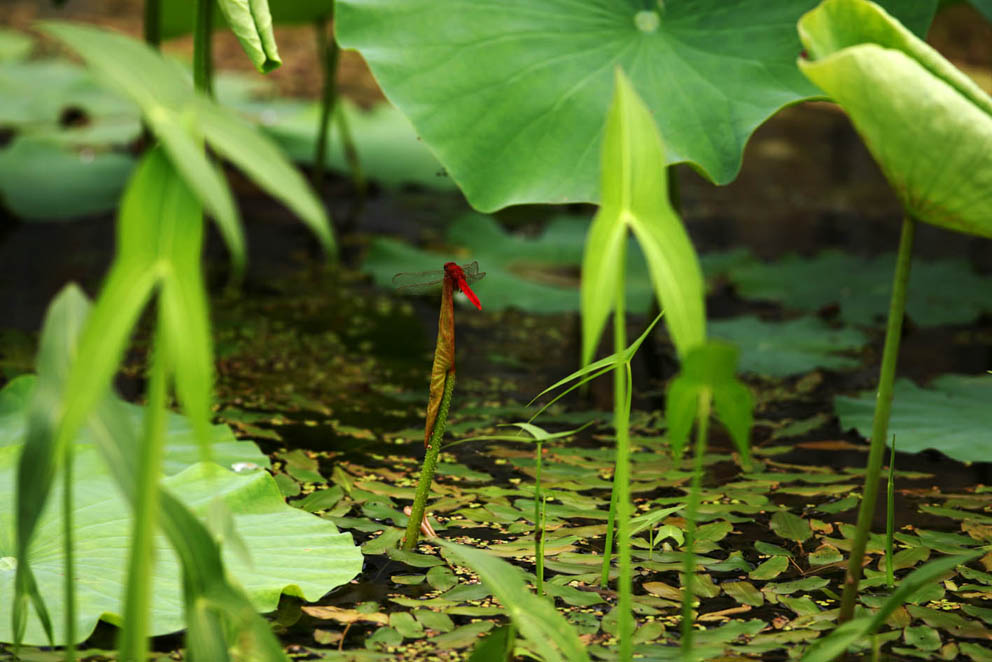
{"x": 425, "y": 282}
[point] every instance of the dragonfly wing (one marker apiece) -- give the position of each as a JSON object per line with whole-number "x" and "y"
{"x": 433, "y": 277}
{"x": 420, "y": 288}
{"x": 472, "y": 273}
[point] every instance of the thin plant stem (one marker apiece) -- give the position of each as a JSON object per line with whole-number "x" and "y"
{"x": 611, "y": 519}
{"x": 538, "y": 521}
{"x": 350, "y": 152}
{"x": 890, "y": 518}
{"x": 880, "y": 425}
{"x": 621, "y": 474}
{"x": 429, "y": 467}
{"x": 604, "y": 579}
{"x": 539, "y": 555}
{"x": 70, "y": 563}
{"x": 692, "y": 510}
{"x": 328, "y": 51}
{"x": 153, "y": 23}
{"x": 203, "y": 30}
{"x": 137, "y": 600}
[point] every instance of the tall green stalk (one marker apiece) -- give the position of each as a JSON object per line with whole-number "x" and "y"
{"x": 611, "y": 518}
{"x": 621, "y": 473}
{"x": 153, "y": 23}
{"x": 203, "y": 30}
{"x": 429, "y": 467}
{"x": 329, "y": 52}
{"x": 137, "y": 600}
{"x": 692, "y": 511}
{"x": 70, "y": 564}
{"x": 880, "y": 425}
{"x": 538, "y": 521}
{"x": 890, "y": 518}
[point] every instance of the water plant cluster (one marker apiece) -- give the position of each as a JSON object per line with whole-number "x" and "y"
{"x": 677, "y": 521}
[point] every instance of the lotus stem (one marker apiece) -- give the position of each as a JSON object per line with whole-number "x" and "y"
{"x": 890, "y": 518}
{"x": 328, "y": 51}
{"x": 153, "y": 23}
{"x": 692, "y": 511}
{"x": 880, "y": 425}
{"x": 429, "y": 467}
{"x": 203, "y": 30}
{"x": 611, "y": 519}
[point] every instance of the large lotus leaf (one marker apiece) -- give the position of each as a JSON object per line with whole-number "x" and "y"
{"x": 512, "y": 96}
{"x": 37, "y": 93}
{"x": 789, "y": 348}
{"x": 952, "y": 416}
{"x": 388, "y": 147}
{"x": 535, "y": 274}
{"x": 87, "y": 182}
{"x": 928, "y": 125}
{"x": 181, "y": 448}
{"x": 291, "y": 551}
{"x": 14, "y": 45}
{"x": 940, "y": 291}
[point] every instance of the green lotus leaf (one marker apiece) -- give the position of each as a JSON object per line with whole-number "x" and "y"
{"x": 951, "y": 415}
{"x": 511, "y": 96}
{"x": 181, "y": 448}
{"x": 87, "y": 182}
{"x": 927, "y": 125}
{"x": 940, "y": 291}
{"x": 789, "y": 348}
{"x": 291, "y": 551}
{"x": 14, "y": 45}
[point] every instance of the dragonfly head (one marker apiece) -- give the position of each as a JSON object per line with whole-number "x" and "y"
{"x": 453, "y": 271}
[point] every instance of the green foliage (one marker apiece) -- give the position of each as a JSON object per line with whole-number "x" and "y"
{"x": 861, "y": 287}
{"x": 289, "y": 550}
{"x": 88, "y": 182}
{"x": 535, "y": 618}
{"x": 886, "y": 79}
{"x": 533, "y": 274}
{"x": 788, "y": 348}
{"x": 634, "y": 197}
{"x": 14, "y": 45}
{"x": 950, "y": 416}
{"x": 708, "y": 371}
{"x": 176, "y": 114}
{"x": 387, "y": 144}
{"x": 527, "y": 126}
{"x": 251, "y": 23}
{"x": 837, "y": 642}
{"x": 176, "y": 16}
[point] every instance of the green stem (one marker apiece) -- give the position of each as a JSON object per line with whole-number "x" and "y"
{"x": 329, "y": 52}
{"x": 70, "y": 565}
{"x": 621, "y": 473}
{"x": 203, "y": 70}
{"x": 538, "y": 521}
{"x": 137, "y": 600}
{"x": 351, "y": 153}
{"x": 692, "y": 510}
{"x": 153, "y": 23}
{"x": 430, "y": 465}
{"x": 539, "y": 555}
{"x": 890, "y": 518}
{"x": 880, "y": 426}
{"x": 611, "y": 519}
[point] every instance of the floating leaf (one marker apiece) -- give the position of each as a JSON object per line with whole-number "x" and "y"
{"x": 291, "y": 551}
{"x": 862, "y": 287}
{"x": 950, "y": 416}
{"x": 88, "y": 182}
{"x": 790, "y": 526}
{"x": 387, "y": 145}
{"x": 788, "y": 348}
{"x": 527, "y": 127}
